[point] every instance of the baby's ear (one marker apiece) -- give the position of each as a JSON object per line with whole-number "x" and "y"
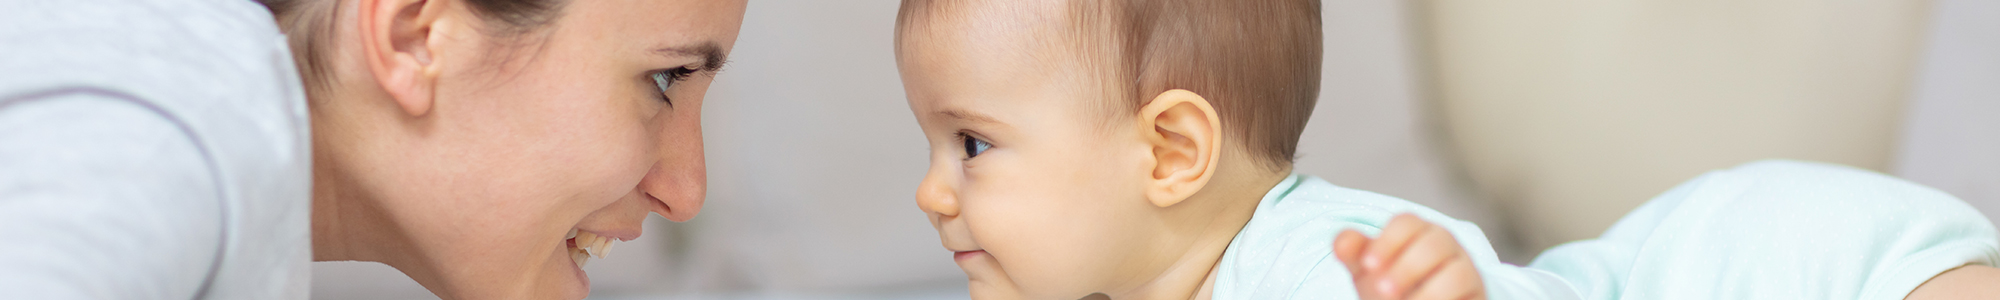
{"x": 1187, "y": 143}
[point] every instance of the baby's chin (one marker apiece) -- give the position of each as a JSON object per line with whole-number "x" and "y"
{"x": 987, "y": 292}
{"x": 992, "y": 289}
{"x": 986, "y": 280}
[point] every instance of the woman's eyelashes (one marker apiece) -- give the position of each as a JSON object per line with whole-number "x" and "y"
{"x": 665, "y": 80}
{"x": 973, "y": 145}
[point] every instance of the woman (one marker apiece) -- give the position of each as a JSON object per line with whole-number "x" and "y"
{"x": 162, "y": 153}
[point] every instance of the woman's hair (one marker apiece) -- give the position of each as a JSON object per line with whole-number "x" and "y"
{"x": 307, "y": 23}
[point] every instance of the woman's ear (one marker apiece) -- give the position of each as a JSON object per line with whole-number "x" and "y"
{"x": 396, "y": 41}
{"x": 1186, "y": 138}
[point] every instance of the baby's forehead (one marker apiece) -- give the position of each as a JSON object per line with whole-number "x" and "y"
{"x": 1014, "y": 13}
{"x": 998, "y": 54}
{"x": 1032, "y": 29}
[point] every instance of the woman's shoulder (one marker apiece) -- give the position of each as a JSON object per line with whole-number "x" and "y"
{"x": 203, "y": 94}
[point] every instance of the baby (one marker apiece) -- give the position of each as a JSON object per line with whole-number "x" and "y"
{"x": 1142, "y": 150}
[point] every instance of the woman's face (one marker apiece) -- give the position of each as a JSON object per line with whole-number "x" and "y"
{"x": 587, "y": 123}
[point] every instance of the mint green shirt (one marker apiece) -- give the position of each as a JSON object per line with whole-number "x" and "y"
{"x": 1286, "y": 250}
{"x": 1779, "y": 230}
{"x": 1764, "y": 230}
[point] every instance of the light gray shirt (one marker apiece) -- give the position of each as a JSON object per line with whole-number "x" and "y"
{"x": 151, "y": 149}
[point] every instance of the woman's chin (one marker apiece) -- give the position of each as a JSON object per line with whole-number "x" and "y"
{"x": 567, "y": 279}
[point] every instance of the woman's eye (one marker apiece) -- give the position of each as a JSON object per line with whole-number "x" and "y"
{"x": 665, "y": 79}
{"x": 974, "y": 146}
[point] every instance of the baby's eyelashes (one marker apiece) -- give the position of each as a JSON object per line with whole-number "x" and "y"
{"x": 973, "y": 145}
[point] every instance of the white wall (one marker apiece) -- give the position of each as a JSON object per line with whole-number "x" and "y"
{"x": 813, "y": 159}
{"x": 1952, "y": 140}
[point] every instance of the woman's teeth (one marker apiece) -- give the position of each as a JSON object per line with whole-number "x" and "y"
{"x": 583, "y": 245}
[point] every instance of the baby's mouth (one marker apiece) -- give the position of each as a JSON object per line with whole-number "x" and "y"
{"x": 583, "y": 245}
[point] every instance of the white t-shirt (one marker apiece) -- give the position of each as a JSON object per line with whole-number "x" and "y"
{"x": 151, "y": 149}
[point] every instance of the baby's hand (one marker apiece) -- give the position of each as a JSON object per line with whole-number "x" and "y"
{"x": 1412, "y": 259}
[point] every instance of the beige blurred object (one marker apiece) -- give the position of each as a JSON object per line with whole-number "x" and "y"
{"x": 1571, "y": 113}
{"x": 1370, "y": 131}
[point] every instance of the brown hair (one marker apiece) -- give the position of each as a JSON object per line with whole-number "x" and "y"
{"x": 1256, "y": 61}
{"x": 307, "y": 22}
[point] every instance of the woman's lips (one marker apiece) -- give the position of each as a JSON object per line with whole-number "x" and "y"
{"x": 964, "y": 255}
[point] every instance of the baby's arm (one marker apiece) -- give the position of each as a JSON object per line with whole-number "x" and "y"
{"x": 1968, "y": 282}
{"x": 1411, "y": 259}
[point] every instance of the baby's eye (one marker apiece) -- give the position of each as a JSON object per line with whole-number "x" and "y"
{"x": 973, "y": 146}
{"x": 665, "y": 79}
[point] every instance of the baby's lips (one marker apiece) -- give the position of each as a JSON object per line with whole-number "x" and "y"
{"x": 963, "y": 255}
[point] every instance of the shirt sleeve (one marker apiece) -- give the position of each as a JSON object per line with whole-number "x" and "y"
{"x": 1780, "y": 230}
{"x": 1286, "y": 251}
{"x": 103, "y": 197}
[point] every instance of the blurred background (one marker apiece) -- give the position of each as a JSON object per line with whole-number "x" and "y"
{"x": 1543, "y": 121}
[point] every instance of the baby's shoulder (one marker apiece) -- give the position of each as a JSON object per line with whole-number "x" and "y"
{"x": 1287, "y": 244}
{"x": 1310, "y": 206}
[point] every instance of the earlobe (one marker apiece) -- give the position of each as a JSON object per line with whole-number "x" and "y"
{"x": 1185, "y": 135}
{"x": 397, "y": 42}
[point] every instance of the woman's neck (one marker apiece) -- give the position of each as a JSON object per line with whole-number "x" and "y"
{"x": 350, "y": 222}
{"x": 347, "y": 222}
{"x": 340, "y": 223}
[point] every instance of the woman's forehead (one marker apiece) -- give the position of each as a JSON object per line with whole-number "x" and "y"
{"x": 669, "y": 21}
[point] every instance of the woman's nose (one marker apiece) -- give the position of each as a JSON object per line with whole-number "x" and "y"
{"x": 676, "y": 190}
{"x": 679, "y": 181}
{"x": 934, "y": 195}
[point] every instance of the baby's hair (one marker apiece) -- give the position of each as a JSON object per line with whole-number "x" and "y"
{"x": 1256, "y": 61}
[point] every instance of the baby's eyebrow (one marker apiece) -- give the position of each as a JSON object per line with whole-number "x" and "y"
{"x": 968, "y": 116}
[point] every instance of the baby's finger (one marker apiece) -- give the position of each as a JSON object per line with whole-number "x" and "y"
{"x": 1457, "y": 280}
{"x": 1348, "y": 246}
{"x": 1398, "y": 234}
{"x": 1419, "y": 261}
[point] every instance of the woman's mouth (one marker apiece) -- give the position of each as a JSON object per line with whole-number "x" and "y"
{"x": 583, "y": 245}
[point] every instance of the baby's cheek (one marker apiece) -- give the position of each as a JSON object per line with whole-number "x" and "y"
{"x": 1054, "y": 237}
{"x": 1045, "y": 261}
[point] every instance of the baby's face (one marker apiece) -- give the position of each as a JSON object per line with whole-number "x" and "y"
{"x": 1034, "y": 193}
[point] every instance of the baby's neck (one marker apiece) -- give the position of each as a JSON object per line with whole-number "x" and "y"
{"x": 1215, "y": 215}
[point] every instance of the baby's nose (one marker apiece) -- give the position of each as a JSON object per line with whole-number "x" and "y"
{"x": 936, "y": 196}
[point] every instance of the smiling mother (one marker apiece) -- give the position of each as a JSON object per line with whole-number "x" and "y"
{"x": 162, "y": 149}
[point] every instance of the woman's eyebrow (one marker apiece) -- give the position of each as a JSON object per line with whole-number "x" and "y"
{"x": 712, "y": 57}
